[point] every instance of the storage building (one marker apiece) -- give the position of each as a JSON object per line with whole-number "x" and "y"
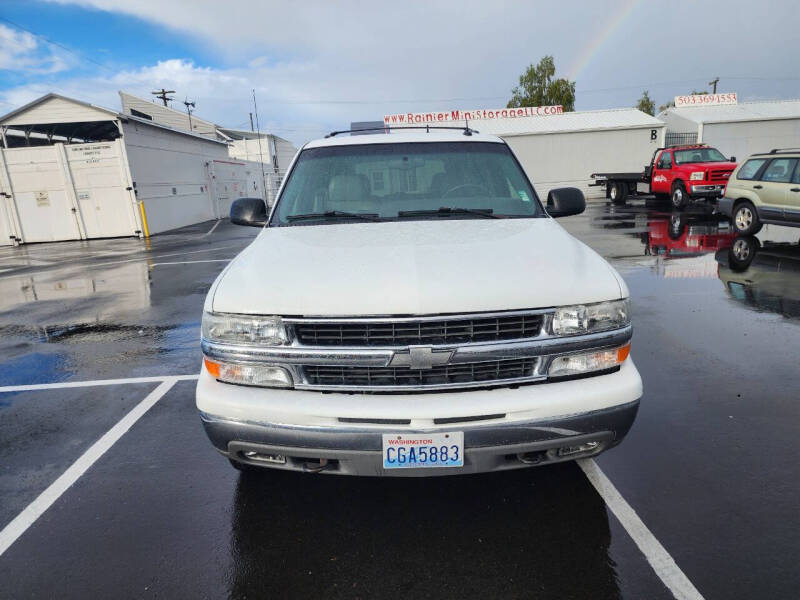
{"x": 736, "y": 129}
{"x": 563, "y": 150}
{"x": 71, "y": 170}
{"x": 274, "y": 152}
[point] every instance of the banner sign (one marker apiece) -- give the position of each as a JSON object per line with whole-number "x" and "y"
{"x": 706, "y": 99}
{"x": 482, "y": 114}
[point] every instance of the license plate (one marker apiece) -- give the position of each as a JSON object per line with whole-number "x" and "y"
{"x": 423, "y": 450}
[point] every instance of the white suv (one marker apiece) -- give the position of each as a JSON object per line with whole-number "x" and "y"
{"x": 410, "y": 308}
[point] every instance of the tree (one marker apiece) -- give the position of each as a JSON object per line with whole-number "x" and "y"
{"x": 538, "y": 88}
{"x": 671, "y": 103}
{"x": 646, "y": 104}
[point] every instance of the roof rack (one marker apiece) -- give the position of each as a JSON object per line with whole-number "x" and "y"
{"x": 467, "y": 129}
{"x": 781, "y": 150}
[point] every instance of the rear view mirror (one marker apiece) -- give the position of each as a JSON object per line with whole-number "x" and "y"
{"x": 733, "y": 159}
{"x": 563, "y": 202}
{"x": 249, "y": 211}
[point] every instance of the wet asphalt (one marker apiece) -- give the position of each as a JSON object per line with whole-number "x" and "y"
{"x": 710, "y": 465}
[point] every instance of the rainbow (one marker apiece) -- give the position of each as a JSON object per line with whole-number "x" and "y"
{"x": 594, "y": 44}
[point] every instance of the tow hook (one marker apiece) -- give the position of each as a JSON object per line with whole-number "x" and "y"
{"x": 316, "y": 468}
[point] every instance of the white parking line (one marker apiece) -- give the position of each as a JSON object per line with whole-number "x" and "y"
{"x": 45, "y": 500}
{"x": 95, "y": 382}
{"x": 210, "y": 231}
{"x": 663, "y": 564}
{"x": 191, "y": 262}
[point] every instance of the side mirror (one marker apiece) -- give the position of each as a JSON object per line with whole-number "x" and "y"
{"x": 563, "y": 202}
{"x": 249, "y": 211}
{"x": 733, "y": 159}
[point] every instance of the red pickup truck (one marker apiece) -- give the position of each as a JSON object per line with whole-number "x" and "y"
{"x": 681, "y": 173}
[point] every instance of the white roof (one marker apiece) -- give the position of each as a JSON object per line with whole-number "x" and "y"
{"x": 568, "y": 122}
{"x": 416, "y": 135}
{"x": 744, "y": 111}
{"x": 29, "y": 115}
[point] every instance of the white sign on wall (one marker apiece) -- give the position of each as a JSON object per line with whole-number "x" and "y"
{"x": 483, "y": 114}
{"x": 706, "y": 99}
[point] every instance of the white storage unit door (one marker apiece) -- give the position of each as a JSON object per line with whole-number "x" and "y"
{"x": 69, "y": 192}
{"x": 39, "y": 198}
{"x": 100, "y": 189}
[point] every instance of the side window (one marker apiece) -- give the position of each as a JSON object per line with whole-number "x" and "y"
{"x": 780, "y": 170}
{"x": 796, "y": 174}
{"x": 665, "y": 160}
{"x": 750, "y": 168}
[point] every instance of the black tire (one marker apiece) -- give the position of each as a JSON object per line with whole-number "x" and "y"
{"x": 745, "y": 219}
{"x": 618, "y": 192}
{"x": 742, "y": 252}
{"x": 679, "y": 198}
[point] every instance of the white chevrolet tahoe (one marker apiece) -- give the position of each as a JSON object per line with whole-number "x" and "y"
{"x": 410, "y": 308}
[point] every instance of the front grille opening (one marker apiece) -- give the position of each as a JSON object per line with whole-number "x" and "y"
{"x": 406, "y": 333}
{"x": 375, "y": 421}
{"x": 489, "y": 371}
{"x": 448, "y": 420}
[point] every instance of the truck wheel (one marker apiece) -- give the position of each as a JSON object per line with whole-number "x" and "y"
{"x": 745, "y": 219}
{"x": 679, "y": 196}
{"x": 618, "y": 192}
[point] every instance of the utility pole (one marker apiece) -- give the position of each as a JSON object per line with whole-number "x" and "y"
{"x": 162, "y": 95}
{"x": 187, "y": 104}
{"x": 714, "y": 83}
{"x": 251, "y": 123}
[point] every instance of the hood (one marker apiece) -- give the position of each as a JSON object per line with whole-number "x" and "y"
{"x": 413, "y": 268}
{"x": 721, "y": 166}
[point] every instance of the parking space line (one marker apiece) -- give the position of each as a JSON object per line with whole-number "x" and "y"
{"x": 96, "y": 382}
{"x": 191, "y": 262}
{"x": 210, "y": 231}
{"x": 663, "y": 564}
{"x": 45, "y": 500}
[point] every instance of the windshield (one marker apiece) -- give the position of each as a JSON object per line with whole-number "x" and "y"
{"x": 699, "y": 155}
{"x": 429, "y": 180}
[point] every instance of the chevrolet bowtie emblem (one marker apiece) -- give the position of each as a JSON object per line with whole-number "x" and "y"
{"x": 421, "y": 357}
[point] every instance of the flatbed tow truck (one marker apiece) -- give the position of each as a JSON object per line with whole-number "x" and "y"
{"x": 681, "y": 173}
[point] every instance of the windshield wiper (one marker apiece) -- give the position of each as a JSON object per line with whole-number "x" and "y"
{"x": 445, "y": 211}
{"x": 338, "y": 214}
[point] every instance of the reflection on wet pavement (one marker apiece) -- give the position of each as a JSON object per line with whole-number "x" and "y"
{"x": 764, "y": 275}
{"x": 456, "y": 541}
{"x": 109, "y": 308}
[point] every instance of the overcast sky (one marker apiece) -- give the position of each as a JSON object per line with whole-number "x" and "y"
{"x": 317, "y": 65}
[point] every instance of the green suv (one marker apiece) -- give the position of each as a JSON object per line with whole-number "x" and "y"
{"x": 764, "y": 189}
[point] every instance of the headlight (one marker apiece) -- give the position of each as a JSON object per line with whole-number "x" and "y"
{"x": 260, "y": 375}
{"x": 578, "y": 364}
{"x": 244, "y": 329}
{"x": 590, "y": 318}
{"x": 697, "y": 176}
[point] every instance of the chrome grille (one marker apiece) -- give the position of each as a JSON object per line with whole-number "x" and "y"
{"x": 410, "y": 332}
{"x": 460, "y": 373}
{"x": 719, "y": 175}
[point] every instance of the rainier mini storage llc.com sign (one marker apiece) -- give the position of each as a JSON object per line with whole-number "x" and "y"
{"x": 706, "y": 99}
{"x": 470, "y": 115}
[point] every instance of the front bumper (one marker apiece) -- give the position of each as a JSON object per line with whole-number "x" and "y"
{"x": 504, "y": 428}
{"x": 707, "y": 191}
